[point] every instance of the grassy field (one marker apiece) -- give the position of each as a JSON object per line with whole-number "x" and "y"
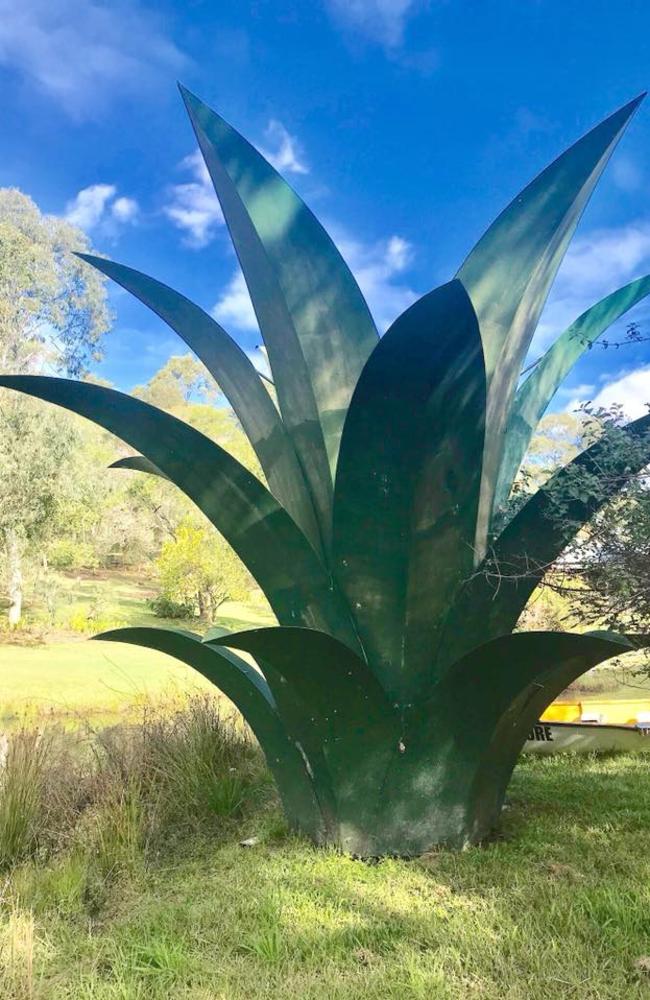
{"x": 55, "y": 672}
{"x": 121, "y": 899}
{"x": 557, "y": 905}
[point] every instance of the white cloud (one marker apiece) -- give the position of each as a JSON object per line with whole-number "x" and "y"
{"x": 81, "y": 54}
{"x": 631, "y": 391}
{"x": 234, "y": 308}
{"x": 287, "y": 154}
{"x": 596, "y": 264}
{"x": 125, "y": 209}
{"x": 193, "y": 207}
{"x": 381, "y": 20}
{"x": 97, "y": 206}
{"x": 376, "y": 266}
{"x": 89, "y": 205}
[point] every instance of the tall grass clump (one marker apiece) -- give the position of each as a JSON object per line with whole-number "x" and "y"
{"x": 116, "y": 795}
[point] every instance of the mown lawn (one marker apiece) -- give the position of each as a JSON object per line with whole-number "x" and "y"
{"x": 57, "y": 673}
{"x": 557, "y": 905}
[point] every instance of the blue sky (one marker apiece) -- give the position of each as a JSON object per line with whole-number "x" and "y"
{"x": 406, "y": 125}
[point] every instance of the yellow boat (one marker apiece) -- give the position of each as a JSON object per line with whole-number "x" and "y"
{"x": 593, "y": 726}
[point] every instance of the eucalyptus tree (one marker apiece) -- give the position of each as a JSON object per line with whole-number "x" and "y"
{"x": 53, "y": 315}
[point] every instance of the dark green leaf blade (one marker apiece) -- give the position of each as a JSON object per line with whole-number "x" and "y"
{"x": 543, "y": 382}
{"x": 491, "y": 603}
{"x": 350, "y": 715}
{"x": 138, "y": 463}
{"x": 314, "y": 320}
{"x": 260, "y": 531}
{"x": 509, "y": 272}
{"x": 407, "y": 485}
{"x": 238, "y": 380}
{"x": 249, "y": 692}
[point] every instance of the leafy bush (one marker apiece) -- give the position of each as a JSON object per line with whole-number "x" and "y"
{"x": 163, "y": 607}
{"x": 66, "y": 553}
{"x": 199, "y": 570}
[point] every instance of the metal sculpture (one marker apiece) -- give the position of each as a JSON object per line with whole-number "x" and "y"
{"x": 392, "y": 699}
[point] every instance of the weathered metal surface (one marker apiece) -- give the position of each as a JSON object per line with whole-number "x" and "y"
{"x": 248, "y": 516}
{"x": 349, "y": 714}
{"x": 509, "y": 272}
{"x": 314, "y": 321}
{"x": 407, "y": 485}
{"x": 543, "y": 382}
{"x": 238, "y": 380}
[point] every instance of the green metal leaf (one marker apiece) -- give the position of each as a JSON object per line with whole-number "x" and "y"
{"x": 138, "y": 463}
{"x": 239, "y": 382}
{"x": 407, "y": 485}
{"x": 460, "y": 746}
{"x": 315, "y": 323}
{"x": 349, "y": 713}
{"x": 250, "y": 693}
{"x": 491, "y": 603}
{"x": 509, "y": 272}
{"x": 543, "y": 382}
{"x": 296, "y": 715}
{"x": 261, "y": 532}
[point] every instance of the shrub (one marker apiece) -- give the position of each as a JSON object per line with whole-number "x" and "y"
{"x": 198, "y": 569}
{"x": 66, "y": 553}
{"x": 164, "y": 607}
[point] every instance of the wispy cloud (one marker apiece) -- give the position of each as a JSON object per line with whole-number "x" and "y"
{"x": 234, "y": 308}
{"x": 630, "y": 390}
{"x": 285, "y": 152}
{"x": 382, "y": 21}
{"x": 193, "y": 207}
{"x": 378, "y": 267}
{"x": 82, "y": 54}
{"x": 97, "y": 206}
{"x": 597, "y": 263}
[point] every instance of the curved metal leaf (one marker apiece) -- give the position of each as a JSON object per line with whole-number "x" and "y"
{"x": 239, "y": 381}
{"x": 449, "y": 782}
{"x": 138, "y": 463}
{"x": 491, "y": 603}
{"x": 543, "y": 382}
{"x": 260, "y": 531}
{"x": 407, "y": 485}
{"x": 296, "y": 717}
{"x": 350, "y": 715}
{"x": 250, "y": 693}
{"x": 509, "y": 272}
{"x": 315, "y": 323}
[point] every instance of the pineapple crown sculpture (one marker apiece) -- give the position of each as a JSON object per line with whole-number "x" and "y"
{"x": 393, "y": 698}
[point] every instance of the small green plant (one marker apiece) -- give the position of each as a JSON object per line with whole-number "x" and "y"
{"x": 67, "y": 553}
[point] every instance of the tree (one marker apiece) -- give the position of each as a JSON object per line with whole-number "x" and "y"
{"x": 53, "y": 315}
{"x": 180, "y": 380}
{"x": 198, "y": 568}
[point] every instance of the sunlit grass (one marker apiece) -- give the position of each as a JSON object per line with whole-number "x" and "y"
{"x": 556, "y": 905}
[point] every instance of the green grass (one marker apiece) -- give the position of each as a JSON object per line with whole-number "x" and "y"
{"x": 61, "y": 675}
{"x": 556, "y": 905}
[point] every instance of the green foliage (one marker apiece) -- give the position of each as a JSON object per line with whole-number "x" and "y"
{"x": 68, "y": 553}
{"x": 164, "y": 607}
{"x": 197, "y": 569}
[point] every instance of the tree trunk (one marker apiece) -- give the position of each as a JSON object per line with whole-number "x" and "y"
{"x": 14, "y": 577}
